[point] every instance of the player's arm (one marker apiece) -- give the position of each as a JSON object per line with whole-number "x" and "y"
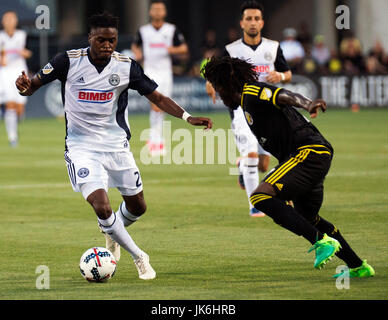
{"x": 283, "y": 73}
{"x": 171, "y": 107}
{"x": 57, "y": 68}
{"x": 179, "y": 44}
{"x": 286, "y": 98}
{"x": 137, "y": 52}
{"x": 27, "y": 86}
{"x": 147, "y": 87}
{"x": 136, "y": 47}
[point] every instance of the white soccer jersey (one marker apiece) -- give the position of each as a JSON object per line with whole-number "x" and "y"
{"x": 12, "y": 47}
{"x": 263, "y": 57}
{"x": 154, "y": 43}
{"x": 95, "y": 99}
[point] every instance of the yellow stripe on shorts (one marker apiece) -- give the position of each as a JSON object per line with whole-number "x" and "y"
{"x": 286, "y": 167}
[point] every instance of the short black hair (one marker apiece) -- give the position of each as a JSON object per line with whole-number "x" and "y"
{"x": 103, "y": 20}
{"x": 157, "y": 1}
{"x": 229, "y": 73}
{"x": 251, "y": 4}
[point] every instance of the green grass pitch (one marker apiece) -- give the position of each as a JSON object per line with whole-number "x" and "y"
{"x": 202, "y": 242}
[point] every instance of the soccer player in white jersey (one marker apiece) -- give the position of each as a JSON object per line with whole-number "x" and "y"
{"x": 155, "y": 44}
{"x": 95, "y": 83}
{"x": 268, "y": 58}
{"x": 12, "y": 62}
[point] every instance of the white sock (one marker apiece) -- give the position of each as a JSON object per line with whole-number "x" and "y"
{"x": 11, "y": 124}
{"x": 114, "y": 227}
{"x": 127, "y": 217}
{"x": 156, "y": 126}
{"x": 250, "y": 174}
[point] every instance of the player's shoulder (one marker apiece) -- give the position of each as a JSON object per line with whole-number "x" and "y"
{"x": 234, "y": 44}
{"x": 121, "y": 57}
{"x": 77, "y": 53}
{"x": 269, "y": 41}
{"x": 169, "y": 25}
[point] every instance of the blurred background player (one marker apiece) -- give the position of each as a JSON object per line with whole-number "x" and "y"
{"x": 12, "y": 62}
{"x": 155, "y": 44}
{"x": 271, "y": 66}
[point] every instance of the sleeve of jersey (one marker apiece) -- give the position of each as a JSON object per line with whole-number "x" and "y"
{"x": 281, "y": 64}
{"x": 262, "y": 95}
{"x": 139, "y": 81}
{"x": 138, "y": 39}
{"x": 57, "y": 68}
{"x": 178, "y": 38}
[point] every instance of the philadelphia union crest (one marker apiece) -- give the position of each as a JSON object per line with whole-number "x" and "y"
{"x": 114, "y": 79}
{"x": 83, "y": 172}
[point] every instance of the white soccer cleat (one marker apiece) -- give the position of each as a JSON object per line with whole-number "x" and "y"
{"x": 145, "y": 270}
{"x": 112, "y": 246}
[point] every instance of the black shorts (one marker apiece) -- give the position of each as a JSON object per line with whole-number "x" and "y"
{"x": 300, "y": 178}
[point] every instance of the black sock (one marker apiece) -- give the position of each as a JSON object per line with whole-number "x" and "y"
{"x": 346, "y": 253}
{"x": 286, "y": 216}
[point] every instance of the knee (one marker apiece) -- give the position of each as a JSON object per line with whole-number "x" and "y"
{"x": 102, "y": 209}
{"x": 140, "y": 210}
{"x": 137, "y": 209}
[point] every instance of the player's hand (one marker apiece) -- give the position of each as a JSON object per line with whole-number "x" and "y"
{"x": 274, "y": 77}
{"x": 315, "y": 106}
{"x": 23, "y": 83}
{"x": 200, "y": 121}
{"x": 210, "y": 91}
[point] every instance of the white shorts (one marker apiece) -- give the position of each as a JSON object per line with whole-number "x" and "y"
{"x": 9, "y": 92}
{"x": 246, "y": 141}
{"x": 91, "y": 170}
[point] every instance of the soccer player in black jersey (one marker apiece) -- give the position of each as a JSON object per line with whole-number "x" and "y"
{"x": 304, "y": 158}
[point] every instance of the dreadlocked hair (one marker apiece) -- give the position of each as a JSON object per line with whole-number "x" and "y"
{"x": 229, "y": 73}
{"x": 103, "y": 20}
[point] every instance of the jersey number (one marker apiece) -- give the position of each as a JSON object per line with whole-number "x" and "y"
{"x": 138, "y": 182}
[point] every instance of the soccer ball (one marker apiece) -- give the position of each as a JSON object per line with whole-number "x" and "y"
{"x": 97, "y": 264}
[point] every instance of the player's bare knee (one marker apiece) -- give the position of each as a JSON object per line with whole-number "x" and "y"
{"x": 135, "y": 205}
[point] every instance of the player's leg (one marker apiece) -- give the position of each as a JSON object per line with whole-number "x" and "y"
{"x": 246, "y": 144}
{"x": 108, "y": 220}
{"x": 11, "y": 122}
{"x": 309, "y": 206}
{"x": 20, "y": 108}
{"x": 291, "y": 180}
{"x": 88, "y": 175}
{"x": 156, "y": 140}
{"x": 156, "y": 145}
{"x": 125, "y": 176}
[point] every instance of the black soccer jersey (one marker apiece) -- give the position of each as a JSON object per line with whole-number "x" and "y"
{"x": 280, "y": 130}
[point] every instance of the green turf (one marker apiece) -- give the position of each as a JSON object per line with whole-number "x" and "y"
{"x": 197, "y": 231}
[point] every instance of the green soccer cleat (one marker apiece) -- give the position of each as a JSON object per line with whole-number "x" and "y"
{"x": 325, "y": 249}
{"x": 363, "y": 271}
